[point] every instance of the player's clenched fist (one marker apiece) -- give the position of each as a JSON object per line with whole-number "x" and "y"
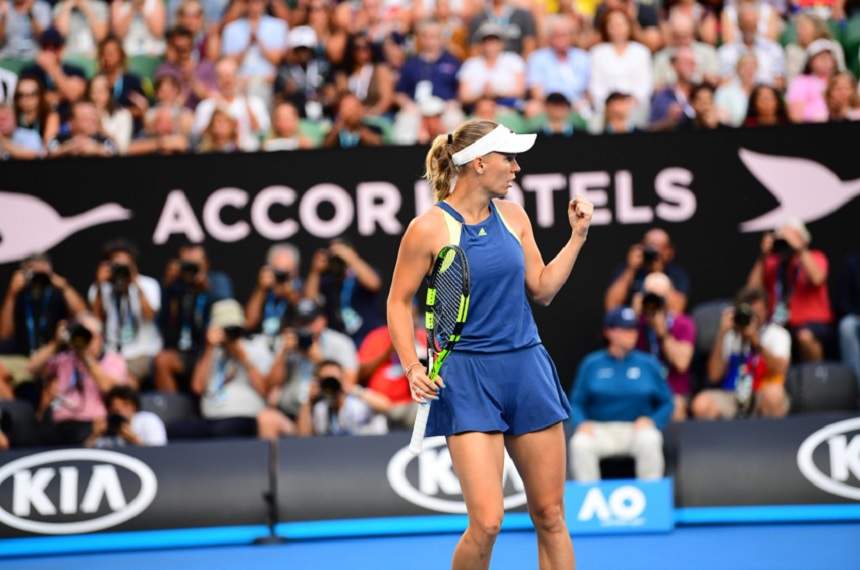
{"x": 579, "y": 212}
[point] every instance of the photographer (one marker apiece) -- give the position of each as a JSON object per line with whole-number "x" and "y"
{"x": 75, "y": 371}
{"x": 278, "y": 288}
{"x": 795, "y": 279}
{"x": 187, "y": 296}
{"x": 349, "y": 288}
{"x": 127, "y": 303}
{"x": 655, "y": 253}
{"x": 748, "y": 363}
{"x": 227, "y": 378}
{"x": 668, "y": 336}
{"x": 332, "y": 410}
{"x": 125, "y": 423}
{"x": 306, "y": 341}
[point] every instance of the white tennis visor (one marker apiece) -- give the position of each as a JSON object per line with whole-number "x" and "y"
{"x": 501, "y": 139}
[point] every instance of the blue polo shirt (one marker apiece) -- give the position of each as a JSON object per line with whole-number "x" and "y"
{"x": 442, "y": 73}
{"x": 607, "y": 389}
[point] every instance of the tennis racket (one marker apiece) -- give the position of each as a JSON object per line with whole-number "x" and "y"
{"x": 444, "y": 316}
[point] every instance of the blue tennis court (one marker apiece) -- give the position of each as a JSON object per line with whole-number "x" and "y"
{"x": 750, "y": 547}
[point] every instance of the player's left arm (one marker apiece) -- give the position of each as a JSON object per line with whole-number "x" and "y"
{"x": 544, "y": 280}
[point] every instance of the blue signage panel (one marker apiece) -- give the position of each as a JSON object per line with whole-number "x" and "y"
{"x": 619, "y": 506}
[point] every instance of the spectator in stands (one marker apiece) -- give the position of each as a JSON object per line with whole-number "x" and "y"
{"x": 747, "y": 364}
{"x": 84, "y": 24}
{"x": 492, "y": 72}
{"x": 190, "y": 15}
{"x": 619, "y": 63}
{"x": 765, "y": 108}
{"x": 848, "y": 304}
{"x": 126, "y": 86}
{"x": 371, "y": 81}
{"x": 127, "y": 303}
{"x": 668, "y": 336}
{"x": 733, "y": 97}
{"x": 432, "y": 71}
{"x": 187, "y": 295}
{"x": 518, "y": 30}
{"x": 350, "y": 128}
{"x": 222, "y": 133}
{"x": 655, "y": 253}
{"x": 558, "y": 118}
{"x": 421, "y": 123}
{"x": 116, "y": 122}
{"x": 560, "y": 67}
{"x": 196, "y": 76}
{"x": 285, "y": 133}
{"x": 771, "y": 58}
{"x": 76, "y": 371}
{"x": 278, "y": 290}
{"x": 21, "y": 24}
{"x": 37, "y": 299}
{"x": 140, "y": 24}
{"x": 642, "y": 17}
{"x": 257, "y": 42}
{"x": 306, "y": 341}
{"x": 705, "y": 112}
{"x": 349, "y": 288}
{"x": 228, "y": 378}
{"x": 681, "y": 34}
{"x": 85, "y": 136}
{"x": 808, "y": 28}
{"x": 306, "y": 78}
{"x": 805, "y": 96}
{"x": 164, "y": 133}
{"x": 126, "y": 423}
{"x": 59, "y": 83}
{"x": 760, "y": 14}
{"x": 249, "y": 111}
{"x": 618, "y": 113}
{"x": 168, "y": 94}
{"x": 332, "y": 410}
{"x": 620, "y": 401}
{"x": 843, "y": 101}
{"x": 671, "y": 105}
{"x": 795, "y": 279}
{"x": 22, "y": 144}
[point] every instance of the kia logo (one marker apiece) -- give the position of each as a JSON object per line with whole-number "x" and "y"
{"x": 71, "y": 485}
{"x": 843, "y": 446}
{"x": 437, "y": 486}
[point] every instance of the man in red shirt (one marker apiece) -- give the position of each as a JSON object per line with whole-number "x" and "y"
{"x": 795, "y": 278}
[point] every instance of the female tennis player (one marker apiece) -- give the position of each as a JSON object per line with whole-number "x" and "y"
{"x": 498, "y": 388}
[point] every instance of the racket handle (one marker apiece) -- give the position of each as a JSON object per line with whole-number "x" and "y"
{"x": 418, "y": 429}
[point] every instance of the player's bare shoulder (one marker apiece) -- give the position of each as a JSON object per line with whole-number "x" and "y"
{"x": 514, "y": 214}
{"x": 427, "y": 231}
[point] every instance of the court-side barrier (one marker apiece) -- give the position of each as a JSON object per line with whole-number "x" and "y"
{"x": 800, "y": 468}
{"x": 714, "y": 192}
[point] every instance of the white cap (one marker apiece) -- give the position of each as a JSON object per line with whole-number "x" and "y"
{"x": 302, "y": 36}
{"x": 822, "y": 45}
{"x": 500, "y": 139}
{"x": 431, "y": 106}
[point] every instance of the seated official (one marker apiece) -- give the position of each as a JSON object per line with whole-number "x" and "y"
{"x": 748, "y": 363}
{"x": 620, "y": 402}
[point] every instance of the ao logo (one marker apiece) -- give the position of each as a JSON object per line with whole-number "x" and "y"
{"x": 57, "y": 474}
{"x": 435, "y": 477}
{"x": 625, "y": 505}
{"x": 843, "y": 449}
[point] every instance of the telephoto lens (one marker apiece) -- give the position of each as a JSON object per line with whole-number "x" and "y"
{"x": 743, "y": 315}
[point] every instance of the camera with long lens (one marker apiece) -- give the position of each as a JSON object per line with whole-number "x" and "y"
{"x": 743, "y": 315}
{"x": 281, "y": 277}
{"x": 305, "y": 339}
{"x": 233, "y": 333}
{"x": 78, "y": 337}
{"x": 781, "y": 247}
{"x": 188, "y": 271}
{"x": 652, "y": 303}
{"x": 39, "y": 279}
{"x": 120, "y": 275}
{"x": 649, "y": 257}
{"x": 114, "y": 424}
{"x": 336, "y": 266}
{"x": 330, "y": 389}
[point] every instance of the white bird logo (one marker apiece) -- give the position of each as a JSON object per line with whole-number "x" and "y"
{"x": 804, "y": 189}
{"x": 28, "y": 225}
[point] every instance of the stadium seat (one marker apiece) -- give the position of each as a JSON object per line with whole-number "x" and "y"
{"x": 169, "y": 407}
{"x": 821, "y": 386}
{"x": 143, "y": 65}
{"x": 88, "y": 64}
{"x": 19, "y": 423}
{"x": 14, "y": 65}
{"x": 707, "y": 318}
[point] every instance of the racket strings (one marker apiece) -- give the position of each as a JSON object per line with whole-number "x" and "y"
{"x": 449, "y": 292}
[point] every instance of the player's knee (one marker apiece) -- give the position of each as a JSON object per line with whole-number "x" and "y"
{"x": 549, "y": 518}
{"x": 487, "y": 525}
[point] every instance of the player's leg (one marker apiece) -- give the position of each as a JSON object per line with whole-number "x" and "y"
{"x": 479, "y": 460}
{"x": 540, "y": 460}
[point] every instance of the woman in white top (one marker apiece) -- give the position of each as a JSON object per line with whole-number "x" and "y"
{"x": 732, "y": 98}
{"x": 116, "y": 121}
{"x": 493, "y": 73}
{"x": 620, "y": 64}
{"x": 140, "y": 25}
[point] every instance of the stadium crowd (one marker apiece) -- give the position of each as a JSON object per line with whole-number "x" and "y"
{"x": 96, "y": 78}
{"x": 309, "y": 354}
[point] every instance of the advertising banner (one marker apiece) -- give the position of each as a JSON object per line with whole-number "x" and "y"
{"x": 619, "y": 506}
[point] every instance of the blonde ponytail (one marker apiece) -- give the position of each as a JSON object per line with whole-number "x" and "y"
{"x": 440, "y": 170}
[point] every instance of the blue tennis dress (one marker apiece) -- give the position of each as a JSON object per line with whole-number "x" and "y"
{"x": 499, "y": 376}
